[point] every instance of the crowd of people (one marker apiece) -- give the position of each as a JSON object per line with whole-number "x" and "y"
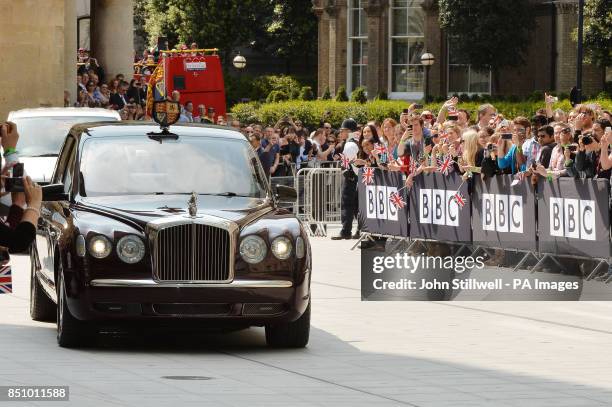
{"x": 553, "y": 143}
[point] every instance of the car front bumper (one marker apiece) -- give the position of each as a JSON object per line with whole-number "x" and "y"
{"x": 243, "y": 302}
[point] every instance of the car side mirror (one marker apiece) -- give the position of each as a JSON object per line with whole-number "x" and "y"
{"x": 54, "y": 192}
{"x": 285, "y": 194}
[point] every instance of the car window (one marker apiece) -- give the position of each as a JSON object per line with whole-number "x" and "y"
{"x": 66, "y": 152}
{"x": 139, "y": 165}
{"x": 43, "y": 136}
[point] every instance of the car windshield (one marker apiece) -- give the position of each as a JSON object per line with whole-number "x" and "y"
{"x": 142, "y": 166}
{"x": 44, "y": 136}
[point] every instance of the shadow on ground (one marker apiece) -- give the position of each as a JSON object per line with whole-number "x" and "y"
{"x": 335, "y": 370}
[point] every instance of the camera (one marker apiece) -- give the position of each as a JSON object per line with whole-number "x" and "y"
{"x": 572, "y": 147}
{"x": 405, "y": 111}
{"x": 492, "y": 147}
{"x": 506, "y": 136}
{"x": 453, "y": 117}
{"x": 587, "y": 139}
{"x": 14, "y": 183}
{"x": 418, "y": 106}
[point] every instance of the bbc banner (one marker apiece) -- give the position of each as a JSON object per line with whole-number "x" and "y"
{"x": 504, "y": 213}
{"x": 574, "y": 217}
{"x": 440, "y": 208}
{"x": 380, "y": 212}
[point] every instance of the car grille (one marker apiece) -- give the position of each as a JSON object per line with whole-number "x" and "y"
{"x": 192, "y": 253}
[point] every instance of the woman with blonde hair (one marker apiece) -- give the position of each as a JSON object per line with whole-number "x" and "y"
{"x": 473, "y": 153}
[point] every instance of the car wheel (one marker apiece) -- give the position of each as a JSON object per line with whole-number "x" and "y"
{"x": 291, "y": 334}
{"x": 41, "y": 306}
{"x": 70, "y": 331}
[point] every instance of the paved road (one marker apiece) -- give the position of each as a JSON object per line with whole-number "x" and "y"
{"x": 360, "y": 354}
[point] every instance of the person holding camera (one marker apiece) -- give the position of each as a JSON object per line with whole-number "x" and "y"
{"x": 19, "y": 230}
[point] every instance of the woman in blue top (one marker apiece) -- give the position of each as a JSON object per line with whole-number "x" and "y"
{"x": 513, "y": 161}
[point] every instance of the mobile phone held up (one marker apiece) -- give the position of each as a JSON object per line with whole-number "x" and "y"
{"x": 14, "y": 183}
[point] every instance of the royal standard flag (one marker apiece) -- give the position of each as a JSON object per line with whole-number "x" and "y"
{"x": 6, "y": 283}
{"x": 157, "y": 88}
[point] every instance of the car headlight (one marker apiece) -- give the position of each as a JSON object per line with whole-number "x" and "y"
{"x": 300, "y": 247}
{"x": 281, "y": 248}
{"x": 100, "y": 247}
{"x": 253, "y": 249}
{"x": 130, "y": 249}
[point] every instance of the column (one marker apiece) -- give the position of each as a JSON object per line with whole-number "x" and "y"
{"x": 70, "y": 48}
{"x": 332, "y": 10}
{"x": 377, "y": 47}
{"x": 435, "y": 43}
{"x": 112, "y": 35}
{"x": 322, "y": 48}
{"x": 32, "y": 67}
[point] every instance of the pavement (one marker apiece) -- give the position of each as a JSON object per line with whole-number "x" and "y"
{"x": 395, "y": 353}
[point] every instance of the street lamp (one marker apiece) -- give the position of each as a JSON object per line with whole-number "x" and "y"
{"x": 239, "y": 62}
{"x": 427, "y": 60}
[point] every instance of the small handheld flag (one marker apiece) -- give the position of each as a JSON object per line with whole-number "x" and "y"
{"x": 460, "y": 199}
{"x": 6, "y": 283}
{"x": 368, "y": 175}
{"x": 380, "y": 149}
{"x": 346, "y": 162}
{"x": 444, "y": 164}
{"x": 396, "y": 200}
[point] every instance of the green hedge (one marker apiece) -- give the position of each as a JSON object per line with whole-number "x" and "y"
{"x": 311, "y": 113}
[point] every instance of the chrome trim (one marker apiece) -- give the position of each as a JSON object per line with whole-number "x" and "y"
{"x": 112, "y": 282}
{"x": 153, "y": 228}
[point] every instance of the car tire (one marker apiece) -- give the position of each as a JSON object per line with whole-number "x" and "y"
{"x": 71, "y": 332}
{"x": 42, "y": 308}
{"x": 290, "y": 334}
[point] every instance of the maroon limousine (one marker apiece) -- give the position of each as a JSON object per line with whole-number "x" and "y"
{"x": 139, "y": 225}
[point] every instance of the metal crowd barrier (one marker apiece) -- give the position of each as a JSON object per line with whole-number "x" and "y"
{"x": 319, "y": 191}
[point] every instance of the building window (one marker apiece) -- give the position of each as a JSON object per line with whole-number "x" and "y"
{"x": 462, "y": 78}
{"x": 407, "y": 43}
{"x": 357, "y": 45}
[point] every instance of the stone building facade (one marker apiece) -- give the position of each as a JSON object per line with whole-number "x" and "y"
{"x": 378, "y": 44}
{"x": 38, "y": 46}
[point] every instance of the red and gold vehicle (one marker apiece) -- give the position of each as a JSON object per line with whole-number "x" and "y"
{"x": 195, "y": 73}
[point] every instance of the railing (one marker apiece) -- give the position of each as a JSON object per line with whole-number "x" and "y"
{"x": 319, "y": 191}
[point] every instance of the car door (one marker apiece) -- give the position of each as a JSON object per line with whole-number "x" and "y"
{"x": 52, "y": 219}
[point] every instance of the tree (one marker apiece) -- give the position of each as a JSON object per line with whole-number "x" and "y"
{"x": 211, "y": 23}
{"x": 598, "y": 32}
{"x": 488, "y": 34}
{"x": 284, "y": 29}
{"x": 341, "y": 95}
{"x": 292, "y": 32}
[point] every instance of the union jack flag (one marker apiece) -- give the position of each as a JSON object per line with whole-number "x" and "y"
{"x": 380, "y": 149}
{"x": 460, "y": 199}
{"x": 444, "y": 164}
{"x": 6, "y": 285}
{"x": 413, "y": 166}
{"x": 397, "y": 200}
{"x": 346, "y": 162}
{"x": 368, "y": 175}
